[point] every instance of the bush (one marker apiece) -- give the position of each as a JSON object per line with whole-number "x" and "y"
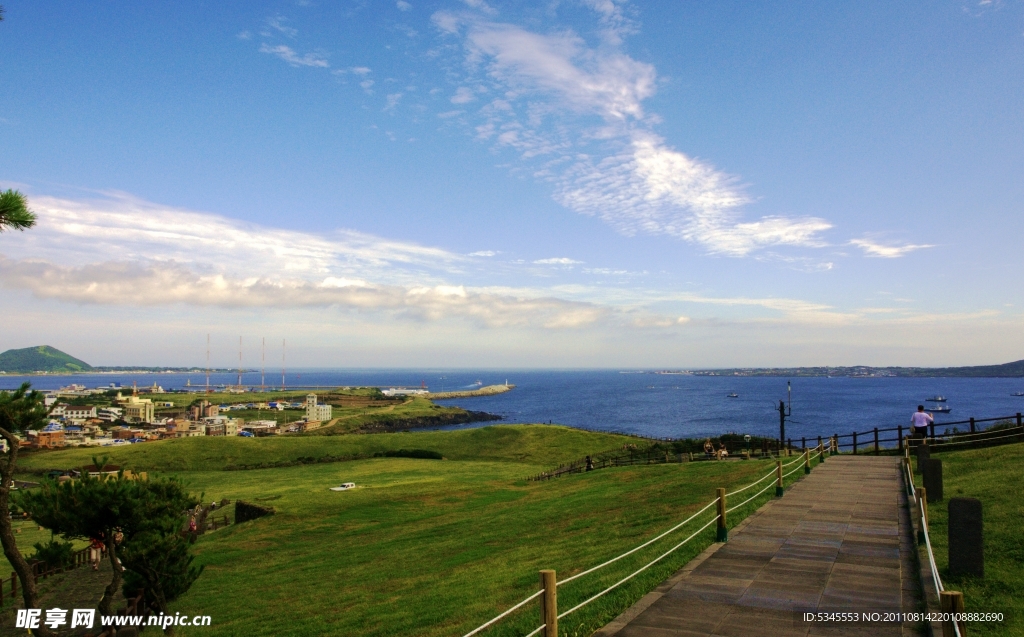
{"x": 54, "y": 554}
{"x": 410, "y": 453}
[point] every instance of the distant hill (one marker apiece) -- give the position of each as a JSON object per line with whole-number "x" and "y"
{"x": 42, "y": 358}
{"x": 1006, "y": 370}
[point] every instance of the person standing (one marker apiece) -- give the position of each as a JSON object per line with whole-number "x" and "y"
{"x": 920, "y": 421}
{"x": 95, "y": 552}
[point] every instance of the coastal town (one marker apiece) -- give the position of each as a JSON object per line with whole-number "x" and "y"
{"x": 132, "y": 416}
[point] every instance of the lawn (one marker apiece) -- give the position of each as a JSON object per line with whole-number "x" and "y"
{"x": 426, "y": 547}
{"x": 994, "y": 476}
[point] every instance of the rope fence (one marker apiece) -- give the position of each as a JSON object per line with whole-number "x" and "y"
{"x": 549, "y": 584}
{"x": 950, "y": 601}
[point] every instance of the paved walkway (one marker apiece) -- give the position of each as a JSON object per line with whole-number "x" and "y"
{"x": 838, "y": 541}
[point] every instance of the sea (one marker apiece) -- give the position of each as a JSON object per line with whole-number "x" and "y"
{"x": 641, "y": 403}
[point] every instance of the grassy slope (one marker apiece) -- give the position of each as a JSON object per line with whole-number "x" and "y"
{"x": 435, "y": 548}
{"x": 425, "y": 547}
{"x": 993, "y": 476}
{"x": 541, "y": 445}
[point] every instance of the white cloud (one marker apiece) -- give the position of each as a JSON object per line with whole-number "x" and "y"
{"x": 875, "y": 249}
{"x": 392, "y": 101}
{"x": 557, "y": 261}
{"x": 278, "y": 24}
{"x": 578, "y": 110}
{"x": 463, "y": 95}
{"x": 483, "y": 253}
{"x": 360, "y": 70}
{"x": 244, "y": 35}
{"x": 403, "y": 5}
{"x": 367, "y": 86}
{"x": 289, "y": 55}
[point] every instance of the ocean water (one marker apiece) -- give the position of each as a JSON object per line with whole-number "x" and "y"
{"x": 647, "y": 404}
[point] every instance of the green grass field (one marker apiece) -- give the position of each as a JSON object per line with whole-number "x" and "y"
{"x": 426, "y": 547}
{"x": 994, "y": 476}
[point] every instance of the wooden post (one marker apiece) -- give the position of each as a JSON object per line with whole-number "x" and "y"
{"x": 549, "y": 603}
{"x": 1019, "y": 420}
{"x": 789, "y": 447}
{"x": 803, "y": 443}
{"x": 922, "y": 497}
{"x": 723, "y": 530}
{"x": 778, "y": 479}
{"x": 819, "y": 442}
{"x": 807, "y": 461}
{"x": 932, "y": 428}
{"x": 899, "y": 438}
{"x": 876, "y": 441}
{"x": 952, "y": 602}
{"x": 834, "y": 445}
{"x": 972, "y": 424}
{"x": 855, "y": 443}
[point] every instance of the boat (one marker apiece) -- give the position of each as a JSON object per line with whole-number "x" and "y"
{"x": 733, "y": 395}
{"x": 939, "y": 409}
{"x": 1017, "y": 393}
{"x": 936, "y": 399}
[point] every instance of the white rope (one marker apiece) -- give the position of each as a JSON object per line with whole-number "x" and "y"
{"x": 630, "y": 552}
{"x": 641, "y": 569}
{"x": 516, "y": 607}
{"x": 750, "y": 498}
{"x": 752, "y": 484}
{"x": 944, "y": 442}
{"x": 537, "y": 630}
{"x": 786, "y": 475}
{"x": 789, "y": 464}
{"x": 931, "y": 556}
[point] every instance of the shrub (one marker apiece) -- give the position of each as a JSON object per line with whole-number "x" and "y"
{"x": 410, "y": 453}
{"x": 54, "y": 554}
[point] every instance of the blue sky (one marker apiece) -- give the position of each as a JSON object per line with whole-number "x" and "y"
{"x": 469, "y": 183}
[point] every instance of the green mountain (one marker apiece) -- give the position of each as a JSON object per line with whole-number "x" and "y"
{"x": 42, "y": 358}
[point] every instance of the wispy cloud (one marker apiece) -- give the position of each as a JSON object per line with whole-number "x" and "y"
{"x": 403, "y": 5}
{"x": 557, "y": 261}
{"x": 277, "y": 23}
{"x": 575, "y": 112}
{"x": 289, "y": 55}
{"x": 874, "y": 249}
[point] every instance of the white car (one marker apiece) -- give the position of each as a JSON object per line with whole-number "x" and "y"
{"x": 345, "y": 486}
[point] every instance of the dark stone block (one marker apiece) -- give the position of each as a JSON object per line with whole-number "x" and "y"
{"x": 923, "y": 453}
{"x": 966, "y": 546}
{"x": 933, "y": 479}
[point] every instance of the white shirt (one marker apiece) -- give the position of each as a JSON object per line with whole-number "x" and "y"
{"x": 921, "y": 419}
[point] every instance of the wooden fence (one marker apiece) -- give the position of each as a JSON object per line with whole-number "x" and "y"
{"x": 876, "y": 440}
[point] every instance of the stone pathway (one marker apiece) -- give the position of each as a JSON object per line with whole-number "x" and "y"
{"x": 839, "y": 541}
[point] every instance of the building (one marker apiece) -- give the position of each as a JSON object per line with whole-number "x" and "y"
{"x": 261, "y": 427}
{"x": 109, "y": 414}
{"x": 79, "y": 412}
{"x": 58, "y": 410}
{"x": 203, "y": 409}
{"x": 53, "y": 439}
{"x": 136, "y": 409}
{"x": 315, "y": 412}
{"x": 403, "y": 391}
{"x": 222, "y": 426}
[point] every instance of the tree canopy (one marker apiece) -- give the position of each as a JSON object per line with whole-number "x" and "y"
{"x": 14, "y": 211}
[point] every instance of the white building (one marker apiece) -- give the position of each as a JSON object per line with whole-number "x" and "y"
{"x": 403, "y": 391}
{"x": 76, "y": 412}
{"x": 315, "y": 411}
